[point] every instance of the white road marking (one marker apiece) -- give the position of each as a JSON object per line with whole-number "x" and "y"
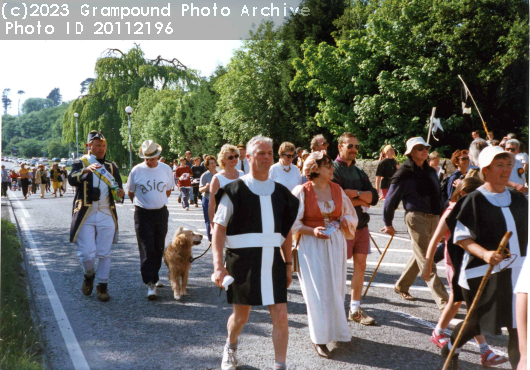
{"x": 391, "y": 286}
{"x": 19, "y": 203}
{"x": 391, "y": 264}
{"x": 187, "y": 219}
{"x": 388, "y": 236}
{"x": 188, "y": 213}
{"x": 70, "y": 340}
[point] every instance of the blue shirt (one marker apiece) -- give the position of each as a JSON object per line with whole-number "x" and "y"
{"x": 406, "y": 191}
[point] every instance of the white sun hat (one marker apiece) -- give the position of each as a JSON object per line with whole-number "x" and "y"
{"x": 488, "y": 154}
{"x": 149, "y": 149}
{"x": 413, "y": 141}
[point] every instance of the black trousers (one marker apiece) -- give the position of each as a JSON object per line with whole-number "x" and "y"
{"x": 24, "y": 183}
{"x": 4, "y": 188}
{"x": 151, "y": 230}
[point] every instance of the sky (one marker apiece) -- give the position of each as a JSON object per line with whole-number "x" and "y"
{"x": 37, "y": 67}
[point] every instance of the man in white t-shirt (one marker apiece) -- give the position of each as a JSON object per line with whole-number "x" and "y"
{"x": 149, "y": 185}
{"x": 514, "y": 146}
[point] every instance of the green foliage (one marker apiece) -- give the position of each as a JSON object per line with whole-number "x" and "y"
{"x": 55, "y": 96}
{"x": 382, "y": 79}
{"x": 19, "y": 342}
{"x": 119, "y": 78}
{"x": 6, "y": 102}
{"x": 36, "y": 104}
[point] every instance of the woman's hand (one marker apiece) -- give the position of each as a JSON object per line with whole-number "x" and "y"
{"x": 426, "y": 271}
{"x": 492, "y": 257}
{"x": 344, "y": 224}
{"x": 219, "y": 275}
{"x": 317, "y": 231}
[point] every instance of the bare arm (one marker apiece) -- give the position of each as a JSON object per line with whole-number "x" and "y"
{"x": 202, "y": 189}
{"x": 218, "y": 242}
{"x": 521, "y": 311}
{"x": 287, "y": 256}
{"x": 214, "y": 186}
{"x": 131, "y": 195}
{"x": 433, "y": 244}
{"x": 491, "y": 257}
{"x": 168, "y": 192}
{"x": 378, "y": 183}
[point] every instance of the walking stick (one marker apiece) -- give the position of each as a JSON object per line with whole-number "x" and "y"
{"x": 481, "y": 287}
{"x": 373, "y": 241}
{"x": 380, "y": 260}
{"x": 476, "y": 107}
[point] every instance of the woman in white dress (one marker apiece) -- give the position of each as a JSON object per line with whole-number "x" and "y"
{"x": 227, "y": 159}
{"x": 285, "y": 172}
{"x": 322, "y": 258}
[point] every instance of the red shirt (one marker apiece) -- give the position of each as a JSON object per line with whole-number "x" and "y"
{"x": 179, "y": 172}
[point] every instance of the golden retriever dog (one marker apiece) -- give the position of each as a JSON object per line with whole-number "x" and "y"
{"x": 177, "y": 259}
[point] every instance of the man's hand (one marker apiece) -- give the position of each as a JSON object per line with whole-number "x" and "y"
{"x": 317, "y": 231}
{"x": 219, "y": 274}
{"x": 358, "y": 202}
{"x": 390, "y": 230}
{"x": 426, "y": 272}
{"x": 351, "y": 193}
{"x": 521, "y": 188}
{"x": 344, "y": 224}
{"x": 121, "y": 193}
{"x": 91, "y": 168}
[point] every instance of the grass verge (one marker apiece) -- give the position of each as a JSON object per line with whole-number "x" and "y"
{"x": 19, "y": 341}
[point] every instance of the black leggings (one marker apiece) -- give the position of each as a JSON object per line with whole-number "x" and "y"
{"x": 24, "y": 183}
{"x": 473, "y": 329}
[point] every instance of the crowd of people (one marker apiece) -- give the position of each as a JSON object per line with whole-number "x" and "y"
{"x": 259, "y": 215}
{"x": 30, "y": 180}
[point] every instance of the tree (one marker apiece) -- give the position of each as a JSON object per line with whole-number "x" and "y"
{"x": 119, "y": 79}
{"x": 85, "y": 84}
{"x": 55, "y": 96}
{"x": 20, "y": 92}
{"x": 382, "y": 79}
{"x": 6, "y": 102}
{"x": 35, "y": 104}
{"x": 30, "y": 147}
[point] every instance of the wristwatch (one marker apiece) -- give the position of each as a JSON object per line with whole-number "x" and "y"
{"x": 358, "y": 194}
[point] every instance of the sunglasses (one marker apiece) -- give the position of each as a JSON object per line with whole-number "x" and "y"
{"x": 421, "y": 148}
{"x": 288, "y": 155}
{"x": 510, "y": 149}
{"x": 464, "y": 159}
{"x": 349, "y": 146}
{"x": 328, "y": 165}
{"x": 236, "y": 156}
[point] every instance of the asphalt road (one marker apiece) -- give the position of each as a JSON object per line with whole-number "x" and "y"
{"x": 130, "y": 332}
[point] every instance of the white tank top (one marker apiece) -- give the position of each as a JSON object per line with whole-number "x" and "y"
{"x": 223, "y": 181}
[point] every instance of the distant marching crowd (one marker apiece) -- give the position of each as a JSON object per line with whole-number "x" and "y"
{"x": 308, "y": 213}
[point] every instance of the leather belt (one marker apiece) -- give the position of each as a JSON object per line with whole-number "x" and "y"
{"x": 427, "y": 215}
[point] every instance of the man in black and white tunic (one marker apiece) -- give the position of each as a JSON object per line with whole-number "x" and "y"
{"x": 254, "y": 218}
{"x": 149, "y": 185}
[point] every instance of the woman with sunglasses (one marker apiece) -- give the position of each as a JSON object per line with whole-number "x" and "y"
{"x": 460, "y": 160}
{"x": 228, "y": 159}
{"x": 482, "y": 218}
{"x": 322, "y": 255}
{"x": 285, "y": 172}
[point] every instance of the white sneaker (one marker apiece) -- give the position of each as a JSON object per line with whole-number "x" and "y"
{"x": 159, "y": 284}
{"x": 229, "y": 359}
{"x": 151, "y": 291}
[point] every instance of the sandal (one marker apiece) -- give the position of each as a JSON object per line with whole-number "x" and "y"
{"x": 494, "y": 361}
{"x": 439, "y": 340}
{"x": 405, "y": 295}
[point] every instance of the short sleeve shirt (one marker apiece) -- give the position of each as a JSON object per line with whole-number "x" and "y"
{"x": 386, "y": 169}
{"x": 149, "y": 185}
{"x": 206, "y": 178}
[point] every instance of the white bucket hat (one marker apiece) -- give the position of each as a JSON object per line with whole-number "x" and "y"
{"x": 413, "y": 141}
{"x": 488, "y": 154}
{"x": 149, "y": 149}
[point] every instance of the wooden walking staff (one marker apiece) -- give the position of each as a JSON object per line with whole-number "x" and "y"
{"x": 480, "y": 115}
{"x": 500, "y": 250}
{"x": 380, "y": 260}
{"x": 373, "y": 241}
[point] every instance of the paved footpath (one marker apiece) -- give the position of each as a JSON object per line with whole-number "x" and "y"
{"x": 130, "y": 332}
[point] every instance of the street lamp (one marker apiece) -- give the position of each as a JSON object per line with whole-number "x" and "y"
{"x": 76, "y": 115}
{"x": 129, "y": 110}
